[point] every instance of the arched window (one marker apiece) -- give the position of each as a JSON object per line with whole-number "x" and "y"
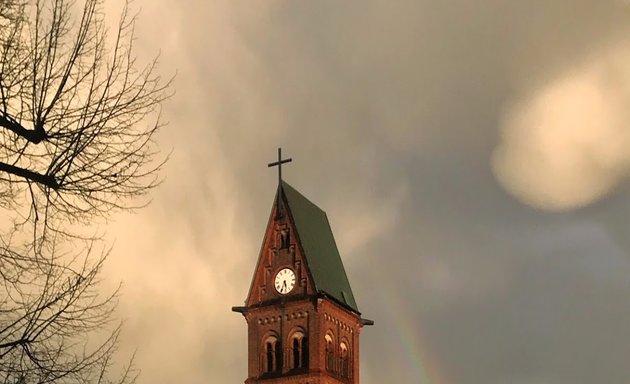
{"x": 344, "y": 359}
{"x": 330, "y": 352}
{"x": 305, "y": 354}
{"x": 271, "y": 355}
{"x": 343, "y": 349}
{"x": 299, "y": 350}
{"x": 285, "y": 238}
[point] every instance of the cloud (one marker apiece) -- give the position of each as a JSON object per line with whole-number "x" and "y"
{"x": 389, "y": 111}
{"x": 568, "y": 143}
{"x": 367, "y": 218}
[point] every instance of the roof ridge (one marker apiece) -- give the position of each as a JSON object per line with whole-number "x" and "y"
{"x": 285, "y": 184}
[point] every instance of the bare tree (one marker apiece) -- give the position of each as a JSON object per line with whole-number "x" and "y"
{"x": 78, "y": 116}
{"x": 50, "y": 304}
{"x": 74, "y": 131}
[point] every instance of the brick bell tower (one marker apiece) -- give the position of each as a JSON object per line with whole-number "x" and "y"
{"x": 303, "y": 322}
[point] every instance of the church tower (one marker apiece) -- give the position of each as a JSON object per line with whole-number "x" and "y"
{"x": 303, "y": 321}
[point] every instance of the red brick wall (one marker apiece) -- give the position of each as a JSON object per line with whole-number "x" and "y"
{"x": 272, "y": 259}
{"x": 315, "y": 318}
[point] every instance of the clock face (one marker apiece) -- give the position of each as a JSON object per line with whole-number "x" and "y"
{"x": 285, "y": 281}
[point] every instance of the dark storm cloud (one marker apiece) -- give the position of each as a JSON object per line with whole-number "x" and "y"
{"x": 392, "y": 112}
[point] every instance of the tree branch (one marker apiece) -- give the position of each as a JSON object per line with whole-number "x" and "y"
{"x": 33, "y": 135}
{"x": 15, "y": 343}
{"x": 47, "y": 180}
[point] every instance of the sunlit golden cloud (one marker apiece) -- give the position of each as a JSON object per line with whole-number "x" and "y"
{"x": 568, "y": 144}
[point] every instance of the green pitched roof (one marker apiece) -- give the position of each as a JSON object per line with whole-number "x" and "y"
{"x": 319, "y": 245}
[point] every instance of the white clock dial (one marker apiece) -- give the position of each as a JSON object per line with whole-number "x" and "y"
{"x": 285, "y": 281}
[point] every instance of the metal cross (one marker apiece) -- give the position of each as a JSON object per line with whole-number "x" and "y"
{"x": 279, "y": 164}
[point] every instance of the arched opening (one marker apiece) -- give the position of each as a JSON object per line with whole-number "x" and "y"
{"x": 271, "y": 355}
{"x": 297, "y": 353}
{"x": 330, "y": 352}
{"x": 285, "y": 238}
{"x": 271, "y": 358}
{"x": 299, "y": 350}
{"x": 344, "y": 359}
{"x": 304, "y": 355}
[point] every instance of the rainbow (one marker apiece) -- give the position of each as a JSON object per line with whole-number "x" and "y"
{"x": 411, "y": 337}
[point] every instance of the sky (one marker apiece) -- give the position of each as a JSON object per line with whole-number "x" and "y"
{"x": 473, "y": 159}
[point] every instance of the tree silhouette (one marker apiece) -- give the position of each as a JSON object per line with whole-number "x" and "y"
{"x": 74, "y": 132}
{"x": 78, "y": 116}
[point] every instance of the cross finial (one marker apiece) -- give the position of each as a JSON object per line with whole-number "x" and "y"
{"x": 279, "y": 164}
